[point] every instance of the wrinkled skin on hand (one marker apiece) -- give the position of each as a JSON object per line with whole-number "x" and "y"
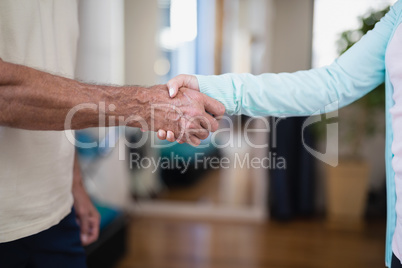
{"x": 176, "y": 85}
{"x": 188, "y": 115}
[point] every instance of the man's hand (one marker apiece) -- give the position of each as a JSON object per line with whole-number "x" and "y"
{"x": 176, "y": 83}
{"x": 88, "y": 217}
{"x": 187, "y": 116}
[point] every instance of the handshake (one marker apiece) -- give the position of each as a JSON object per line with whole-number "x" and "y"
{"x": 189, "y": 116}
{"x": 178, "y": 111}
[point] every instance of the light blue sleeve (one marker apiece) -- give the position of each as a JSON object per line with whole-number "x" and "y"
{"x": 354, "y": 74}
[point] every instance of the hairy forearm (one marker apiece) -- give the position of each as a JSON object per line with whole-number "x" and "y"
{"x": 35, "y": 100}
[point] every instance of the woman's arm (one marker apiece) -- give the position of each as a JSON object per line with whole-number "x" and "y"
{"x": 351, "y": 76}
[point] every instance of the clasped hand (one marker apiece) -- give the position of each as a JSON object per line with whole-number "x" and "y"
{"x": 198, "y": 127}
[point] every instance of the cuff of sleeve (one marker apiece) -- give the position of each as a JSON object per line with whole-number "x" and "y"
{"x": 219, "y": 87}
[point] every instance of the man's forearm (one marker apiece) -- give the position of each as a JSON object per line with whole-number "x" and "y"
{"x": 35, "y": 100}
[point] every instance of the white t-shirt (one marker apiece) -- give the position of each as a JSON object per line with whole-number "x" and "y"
{"x": 36, "y": 166}
{"x": 394, "y": 65}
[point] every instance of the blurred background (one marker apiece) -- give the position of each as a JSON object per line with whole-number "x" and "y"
{"x": 294, "y": 211}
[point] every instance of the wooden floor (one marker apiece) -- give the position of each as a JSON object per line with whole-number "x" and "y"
{"x": 207, "y": 189}
{"x": 172, "y": 243}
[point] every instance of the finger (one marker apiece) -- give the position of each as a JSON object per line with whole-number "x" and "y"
{"x": 93, "y": 230}
{"x": 183, "y": 137}
{"x": 84, "y": 228}
{"x": 173, "y": 86}
{"x": 213, "y": 106}
{"x": 205, "y": 124}
{"x": 209, "y": 123}
{"x": 182, "y": 80}
{"x": 189, "y": 138}
{"x": 201, "y": 134}
{"x": 181, "y": 140}
{"x": 170, "y": 136}
{"x": 161, "y": 134}
{"x": 193, "y": 130}
{"x": 194, "y": 141}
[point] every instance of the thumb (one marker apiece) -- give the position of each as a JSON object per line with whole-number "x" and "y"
{"x": 183, "y": 80}
{"x": 173, "y": 86}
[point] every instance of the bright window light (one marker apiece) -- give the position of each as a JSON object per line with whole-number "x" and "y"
{"x": 183, "y": 20}
{"x": 331, "y": 18}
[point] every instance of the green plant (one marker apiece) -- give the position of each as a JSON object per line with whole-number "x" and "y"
{"x": 363, "y": 123}
{"x": 374, "y": 101}
{"x": 376, "y": 98}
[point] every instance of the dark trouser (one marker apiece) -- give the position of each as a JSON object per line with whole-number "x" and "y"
{"x": 395, "y": 263}
{"x": 59, "y": 246}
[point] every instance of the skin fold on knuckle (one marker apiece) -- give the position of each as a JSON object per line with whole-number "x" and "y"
{"x": 195, "y": 141}
{"x": 203, "y": 135}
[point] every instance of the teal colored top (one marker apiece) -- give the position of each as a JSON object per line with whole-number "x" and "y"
{"x": 358, "y": 71}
